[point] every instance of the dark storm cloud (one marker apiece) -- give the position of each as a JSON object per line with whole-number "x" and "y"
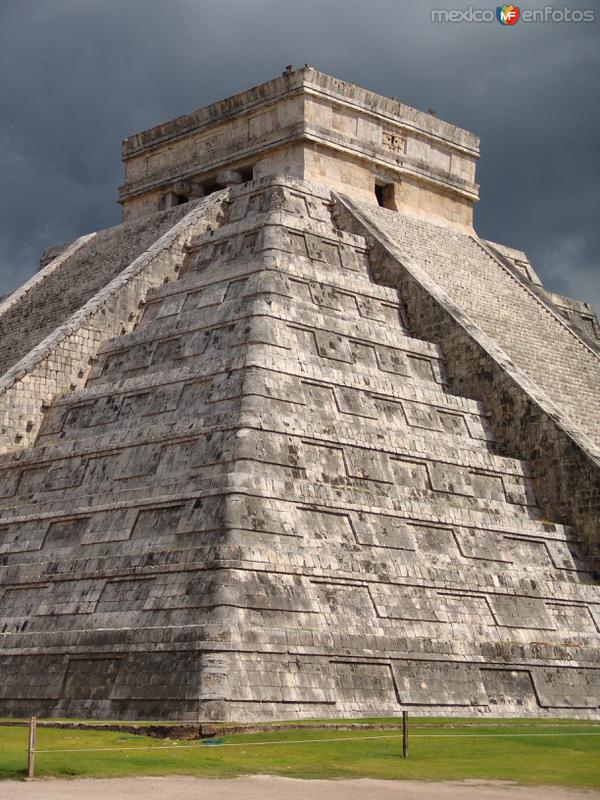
{"x": 77, "y": 76}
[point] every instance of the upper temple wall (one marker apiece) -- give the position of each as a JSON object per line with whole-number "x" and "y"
{"x": 311, "y": 126}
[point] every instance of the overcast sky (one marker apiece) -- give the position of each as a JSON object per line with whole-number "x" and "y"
{"x": 78, "y": 76}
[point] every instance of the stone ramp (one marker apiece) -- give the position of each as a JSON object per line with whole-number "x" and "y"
{"x": 60, "y": 361}
{"x": 534, "y": 337}
{"x": 266, "y": 503}
{"x": 47, "y": 301}
{"x": 537, "y": 340}
{"x": 504, "y": 344}
{"x": 577, "y": 314}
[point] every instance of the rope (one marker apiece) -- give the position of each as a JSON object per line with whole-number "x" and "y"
{"x": 315, "y": 741}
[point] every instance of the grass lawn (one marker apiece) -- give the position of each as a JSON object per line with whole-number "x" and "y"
{"x": 438, "y": 750}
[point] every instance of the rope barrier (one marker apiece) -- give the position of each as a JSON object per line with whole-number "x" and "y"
{"x": 315, "y": 741}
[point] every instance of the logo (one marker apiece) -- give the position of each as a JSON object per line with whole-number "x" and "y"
{"x": 508, "y": 15}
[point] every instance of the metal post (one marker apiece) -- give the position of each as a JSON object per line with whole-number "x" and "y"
{"x": 405, "y": 734}
{"x": 31, "y": 749}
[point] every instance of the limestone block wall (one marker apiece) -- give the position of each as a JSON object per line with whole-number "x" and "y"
{"x": 506, "y": 347}
{"x": 311, "y": 126}
{"x": 266, "y": 502}
{"x": 61, "y": 360}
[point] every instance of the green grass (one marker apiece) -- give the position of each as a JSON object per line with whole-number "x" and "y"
{"x": 449, "y": 749}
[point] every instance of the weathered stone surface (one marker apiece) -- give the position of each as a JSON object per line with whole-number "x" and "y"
{"x": 272, "y": 495}
{"x": 507, "y": 346}
{"x": 311, "y": 126}
{"x": 61, "y": 360}
{"x": 60, "y": 289}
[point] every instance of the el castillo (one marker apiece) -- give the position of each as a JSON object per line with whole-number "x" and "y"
{"x": 293, "y": 441}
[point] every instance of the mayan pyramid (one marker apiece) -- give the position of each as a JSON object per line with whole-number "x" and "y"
{"x": 293, "y": 441}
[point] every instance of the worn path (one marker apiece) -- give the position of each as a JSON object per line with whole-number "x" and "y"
{"x": 262, "y": 787}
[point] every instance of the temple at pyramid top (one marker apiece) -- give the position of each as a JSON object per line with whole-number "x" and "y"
{"x": 312, "y": 126}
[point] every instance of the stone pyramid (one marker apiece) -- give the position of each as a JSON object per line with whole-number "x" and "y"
{"x": 272, "y": 450}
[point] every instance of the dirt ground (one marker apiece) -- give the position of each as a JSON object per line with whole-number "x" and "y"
{"x": 262, "y": 787}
